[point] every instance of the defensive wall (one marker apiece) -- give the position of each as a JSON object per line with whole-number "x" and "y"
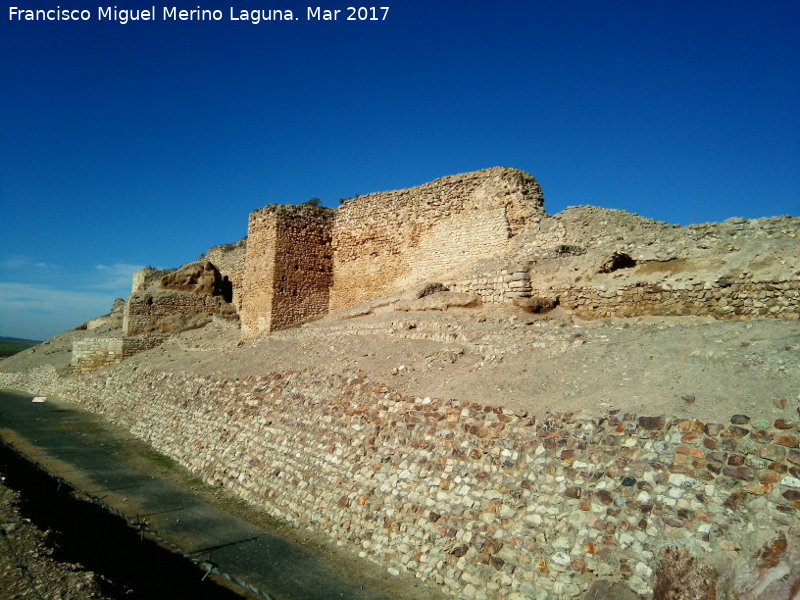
{"x": 305, "y": 261}
{"x": 387, "y": 241}
{"x": 161, "y": 303}
{"x": 93, "y": 354}
{"x": 147, "y": 312}
{"x": 485, "y": 502}
{"x": 289, "y": 267}
{"x": 230, "y": 260}
{"x": 728, "y": 298}
{"x": 171, "y": 301}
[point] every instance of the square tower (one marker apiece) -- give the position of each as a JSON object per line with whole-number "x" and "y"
{"x": 289, "y": 267}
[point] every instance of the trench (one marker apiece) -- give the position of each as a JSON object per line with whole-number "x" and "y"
{"x": 131, "y": 497}
{"x": 133, "y": 566}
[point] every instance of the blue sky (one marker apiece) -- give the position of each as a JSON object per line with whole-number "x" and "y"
{"x": 148, "y": 143}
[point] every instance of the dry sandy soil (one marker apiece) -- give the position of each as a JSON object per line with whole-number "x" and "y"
{"x": 673, "y": 366}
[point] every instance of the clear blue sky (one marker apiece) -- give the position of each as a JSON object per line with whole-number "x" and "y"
{"x": 148, "y": 143}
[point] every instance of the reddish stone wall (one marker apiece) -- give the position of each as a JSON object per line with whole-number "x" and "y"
{"x": 288, "y": 272}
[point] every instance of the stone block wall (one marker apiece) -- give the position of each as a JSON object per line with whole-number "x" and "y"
{"x": 93, "y": 354}
{"x": 501, "y": 286}
{"x": 732, "y": 299}
{"x": 385, "y": 241}
{"x": 289, "y": 267}
{"x": 159, "y": 312}
{"x": 230, "y": 260}
{"x": 485, "y": 502}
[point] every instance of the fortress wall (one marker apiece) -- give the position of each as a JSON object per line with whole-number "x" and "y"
{"x": 148, "y": 312}
{"x": 257, "y": 288}
{"x": 230, "y": 261}
{"x": 484, "y": 502}
{"x": 732, "y": 299}
{"x": 303, "y": 272}
{"x": 385, "y": 241}
{"x": 288, "y": 269}
{"x": 94, "y": 354}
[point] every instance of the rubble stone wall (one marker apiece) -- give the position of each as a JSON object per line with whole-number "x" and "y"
{"x": 93, "y": 354}
{"x": 484, "y": 502}
{"x": 144, "y": 310}
{"x": 727, "y": 299}
{"x": 230, "y": 260}
{"x": 385, "y": 241}
{"x": 501, "y": 286}
{"x": 289, "y": 269}
{"x": 733, "y": 299}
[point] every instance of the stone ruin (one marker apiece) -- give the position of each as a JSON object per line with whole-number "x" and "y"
{"x": 485, "y": 235}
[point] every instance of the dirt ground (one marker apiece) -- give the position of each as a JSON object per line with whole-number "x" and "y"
{"x": 673, "y": 366}
{"x": 688, "y": 367}
{"x": 27, "y": 569}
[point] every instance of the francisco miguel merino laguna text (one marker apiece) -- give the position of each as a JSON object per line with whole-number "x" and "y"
{"x": 173, "y": 13}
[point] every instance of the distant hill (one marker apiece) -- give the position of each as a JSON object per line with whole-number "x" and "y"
{"x": 11, "y": 345}
{"x": 19, "y": 340}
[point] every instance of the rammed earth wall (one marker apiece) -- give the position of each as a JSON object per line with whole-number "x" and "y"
{"x": 484, "y": 502}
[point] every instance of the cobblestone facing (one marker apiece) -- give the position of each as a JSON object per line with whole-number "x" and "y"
{"x": 489, "y": 504}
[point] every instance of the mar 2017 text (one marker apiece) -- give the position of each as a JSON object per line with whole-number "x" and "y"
{"x": 124, "y": 16}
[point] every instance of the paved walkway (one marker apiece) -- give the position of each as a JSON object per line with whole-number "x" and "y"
{"x": 81, "y": 449}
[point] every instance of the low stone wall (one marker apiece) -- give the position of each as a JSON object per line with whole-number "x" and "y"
{"x": 147, "y": 312}
{"x": 487, "y": 503}
{"x": 730, "y": 299}
{"x": 93, "y": 354}
{"x": 724, "y": 299}
{"x": 501, "y": 286}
